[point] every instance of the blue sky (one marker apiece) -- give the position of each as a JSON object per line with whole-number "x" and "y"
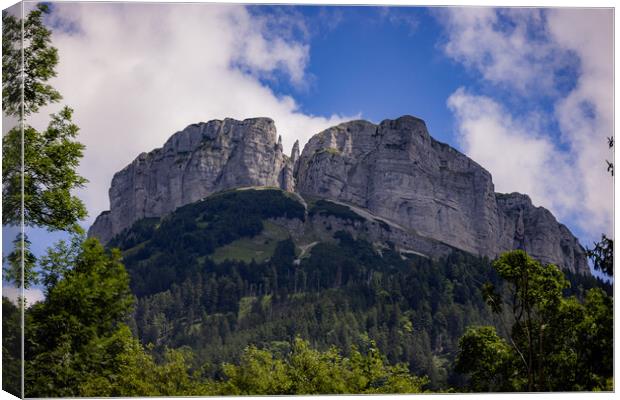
{"x": 378, "y": 67}
{"x": 526, "y": 93}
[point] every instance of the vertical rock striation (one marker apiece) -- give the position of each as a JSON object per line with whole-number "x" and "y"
{"x": 395, "y": 170}
{"x": 201, "y": 159}
{"x": 535, "y": 230}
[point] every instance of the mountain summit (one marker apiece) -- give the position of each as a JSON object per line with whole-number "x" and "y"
{"x": 394, "y": 171}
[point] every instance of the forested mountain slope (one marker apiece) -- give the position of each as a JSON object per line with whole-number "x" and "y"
{"x": 262, "y": 266}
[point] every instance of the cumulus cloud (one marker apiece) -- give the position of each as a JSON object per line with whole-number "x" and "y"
{"x": 263, "y": 44}
{"x": 586, "y": 114}
{"x": 508, "y": 47}
{"x": 137, "y": 73}
{"x": 520, "y": 158}
{"x": 526, "y": 51}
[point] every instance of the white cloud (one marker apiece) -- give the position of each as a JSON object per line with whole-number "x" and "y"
{"x": 400, "y": 17}
{"x": 505, "y": 53}
{"x": 519, "y": 158}
{"x": 260, "y": 47}
{"x": 32, "y": 295}
{"x": 586, "y": 114}
{"x": 137, "y": 73}
{"x": 564, "y": 172}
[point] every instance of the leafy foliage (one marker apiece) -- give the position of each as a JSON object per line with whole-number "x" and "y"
{"x": 11, "y": 348}
{"x": 552, "y": 339}
{"x": 39, "y": 62}
{"x": 134, "y": 372}
{"x": 77, "y": 342}
{"x": 488, "y": 357}
{"x": 79, "y": 345}
{"x": 50, "y": 161}
{"x": 341, "y": 294}
{"x": 307, "y": 371}
{"x": 40, "y": 195}
{"x": 21, "y": 260}
{"x": 83, "y": 311}
{"x": 602, "y": 255}
{"x": 236, "y": 327}
{"x": 303, "y": 370}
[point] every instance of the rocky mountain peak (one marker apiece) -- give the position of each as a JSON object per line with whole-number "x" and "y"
{"x": 295, "y": 151}
{"x": 201, "y": 159}
{"x": 395, "y": 170}
{"x": 405, "y": 123}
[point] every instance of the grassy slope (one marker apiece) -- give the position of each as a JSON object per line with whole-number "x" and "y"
{"x": 259, "y": 248}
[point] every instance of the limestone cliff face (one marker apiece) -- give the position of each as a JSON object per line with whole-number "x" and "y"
{"x": 535, "y": 230}
{"x": 201, "y": 159}
{"x": 397, "y": 171}
{"x": 394, "y": 170}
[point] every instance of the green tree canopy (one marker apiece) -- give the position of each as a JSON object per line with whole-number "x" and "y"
{"x": 38, "y": 168}
{"x": 602, "y": 255}
{"x": 131, "y": 371}
{"x": 39, "y": 62}
{"x": 488, "y": 357}
{"x": 14, "y": 268}
{"x": 308, "y": 371}
{"x": 77, "y": 339}
{"x": 11, "y": 347}
{"x": 552, "y": 341}
{"x": 50, "y": 161}
{"x": 85, "y": 307}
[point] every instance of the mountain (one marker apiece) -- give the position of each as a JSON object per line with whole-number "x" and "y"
{"x": 202, "y": 159}
{"x": 398, "y": 171}
{"x": 434, "y": 196}
{"x": 371, "y": 233}
{"x": 246, "y": 225}
{"x": 260, "y": 266}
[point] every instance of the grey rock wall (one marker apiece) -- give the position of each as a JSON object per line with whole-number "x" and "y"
{"x": 399, "y": 172}
{"x": 395, "y": 170}
{"x": 201, "y": 159}
{"x": 535, "y": 230}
